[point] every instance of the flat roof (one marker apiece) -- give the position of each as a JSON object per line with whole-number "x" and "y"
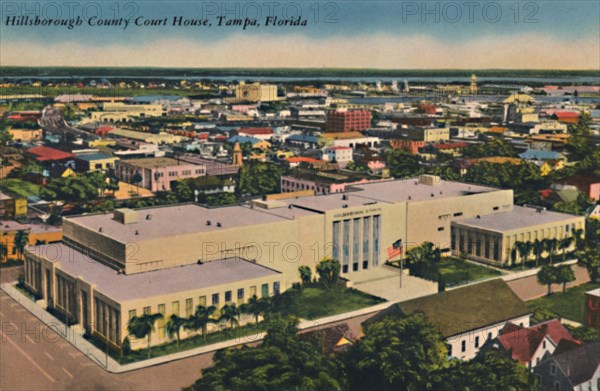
{"x": 518, "y": 217}
{"x": 122, "y": 287}
{"x": 152, "y": 162}
{"x": 180, "y": 220}
{"x": 11, "y": 225}
{"x": 401, "y": 190}
{"x": 95, "y": 156}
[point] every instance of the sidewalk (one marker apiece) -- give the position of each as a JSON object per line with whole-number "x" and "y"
{"x": 103, "y": 360}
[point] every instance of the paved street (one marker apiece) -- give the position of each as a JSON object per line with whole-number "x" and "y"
{"x": 528, "y": 288}
{"x": 33, "y": 357}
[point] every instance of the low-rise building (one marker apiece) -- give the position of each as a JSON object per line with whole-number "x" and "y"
{"x": 95, "y": 161}
{"x": 340, "y": 155}
{"x": 490, "y": 238}
{"x": 575, "y": 369}
{"x": 592, "y": 308}
{"x": 529, "y": 345}
{"x": 38, "y": 233}
{"x": 466, "y": 317}
{"x": 429, "y": 135}
{"x": 156, "y": 174}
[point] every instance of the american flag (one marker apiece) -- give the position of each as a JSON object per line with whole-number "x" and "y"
{"x": 395, "y": 249}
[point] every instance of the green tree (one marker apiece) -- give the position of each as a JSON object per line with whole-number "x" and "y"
{"x": 402, "y": 164}
{"x": 230, "y": 313}
{"x": 258, "y": 178}
{"x": 563, "y": 245}
{"x": 283, "y": 361}
{"x": 183, "y": 191}
{"x": 396, "y": 354}
{"x": 524, "y": 249}
{"x": 174, "y": 326}
{"x": 255, "y": 307}
{"x": 202, "y": 317}
{"x": 564, "y": 275}
{"x": 551, "y": 247}
{"x": 3, "y": 252}
{"x": 125, "y": 347}
{"x": 137, "y": 179}
{"x": 329, "y": 272}
{"x": 492, "y": 369}
{"x": 305, "y": 274}
{"x": 590, "y": 259}
{"x": 547, "y": 276}
{"x": 142, "y": 326}
{"x": 20, "y": 242}
{"x": 538, "y": 247}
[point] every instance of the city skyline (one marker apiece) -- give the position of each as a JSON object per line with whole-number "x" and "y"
{"x": 402, "y": 35}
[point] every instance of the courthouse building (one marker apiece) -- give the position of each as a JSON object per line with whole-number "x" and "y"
{"x": 112, "y": 266}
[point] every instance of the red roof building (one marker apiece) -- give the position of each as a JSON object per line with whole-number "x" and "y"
{"x": 569, "y": 117}
{"x": 529, "y": 345}
{"x": 46, "y": 154}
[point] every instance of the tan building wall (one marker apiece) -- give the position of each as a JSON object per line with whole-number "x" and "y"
{"x": 505, "y": 240}
{"x": 429, "y": 221}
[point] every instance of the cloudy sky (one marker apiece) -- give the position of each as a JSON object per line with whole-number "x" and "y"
{"x": 345, "y": 34}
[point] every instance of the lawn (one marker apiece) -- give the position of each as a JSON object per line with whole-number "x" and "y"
{"x": 19, "y": 187}
{"x": 455, "y": 271}
{"x": 314, "y": 301}
{"x": 569, "y": 305}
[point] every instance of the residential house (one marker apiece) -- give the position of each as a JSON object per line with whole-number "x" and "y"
{"x": 466, "y": 317}
{"x": 528, "y": 345}
{"x": 575, "y": 369}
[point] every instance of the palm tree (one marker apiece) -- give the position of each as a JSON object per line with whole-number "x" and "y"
{"x": 564, "y": 244}
{"x": 579, "y": 239}
{"x": 142, "y": 326}
{"x": 254, "y": 306}
{"x": 513, "y": 255}
{"x": 538, "y": 246}
{"x": 551, "y": 245}
{"x": 21, "y": 241}
{"x": 524, "y": 250}
{"x": 201, "y": 319}
{"x": 174, "y": 325}
{"x": 230, "y": 313}
{"x": 3, "y": 252}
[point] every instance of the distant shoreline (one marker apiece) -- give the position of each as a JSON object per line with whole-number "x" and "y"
{"x": 14, "y": 72}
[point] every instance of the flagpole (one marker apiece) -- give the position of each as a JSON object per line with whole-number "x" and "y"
{"x": 401, "y": 269}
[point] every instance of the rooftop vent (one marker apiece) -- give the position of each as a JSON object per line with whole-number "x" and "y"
{"x": 125, "y": 216}
{"x": 409, "y": 197}
{"x": 208, "y": 222}
{"x": 219, "y": 225}
{"x": 199, "y": 262}
{"x": 345, "y": 197}
{"x": 100, "y": 229}
{"x": 345, "y": 206}
{"x": 433, "y": 195}
{"x": 478, "y": 216}
{"x": 137, "y": 232}
{"x": 430, "y": 180}
{"x": 148, "y": 217}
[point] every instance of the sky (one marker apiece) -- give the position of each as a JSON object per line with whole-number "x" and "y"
{"x": 464, "y": 34}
